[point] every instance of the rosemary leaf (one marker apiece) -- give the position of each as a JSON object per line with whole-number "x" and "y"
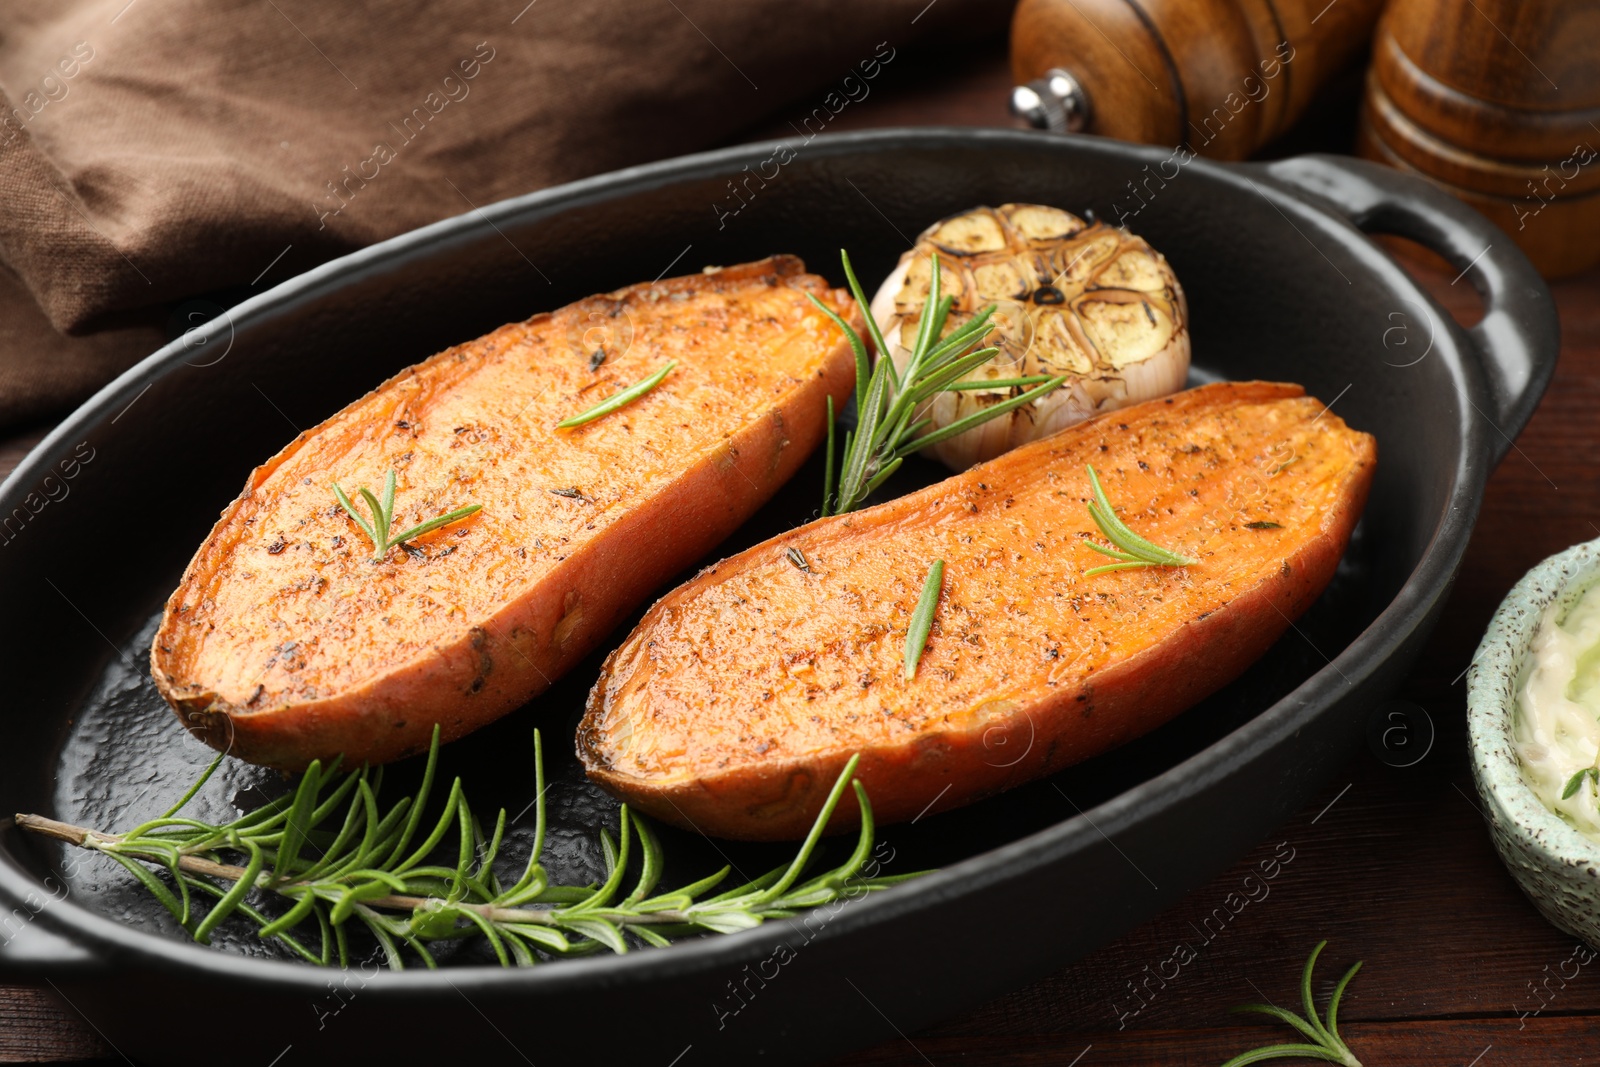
{"x": 857, "y": 347}
{"x": 618, "y": 400}
{"x": 433, "y": 524}
{"x": 922, "y": 618}
{"x": 1110, "y": 567}
{"x": 155, "y": 887}
{"x": 234, "y": 896}
{"x": 1113, "y": 553}
{"x": 388, "y": 505}
{"x": 1322, "y": 1039}
{"x": 949, "y": 373}
{"x": 865, "y": 306}
{"x": 294, "y": 834}
{"x": 827, "y": 463}
{"x": 1132, "y": 551}
{"x": 978, "y": 418}
{"x": 379, "y": 518}
{"x": 997, "y": 383}
{"x": 960, "y": 339}
{"x": 377, "y": 530}
{"x": 777, "y": 889}
{"x": 889, "y": 401}
{"x": 1105, "y": 517}
{"x": 1338, "y": 995}
{"x": 293, "y": 917}
{"x": 344, "y": 502}
{"x": 650, "y": 863}
{"x": 183, "y": 801}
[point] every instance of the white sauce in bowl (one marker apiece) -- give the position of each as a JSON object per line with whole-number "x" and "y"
{"x": 1557, "y": 724}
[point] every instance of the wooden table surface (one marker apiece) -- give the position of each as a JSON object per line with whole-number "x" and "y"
{"x": 1391, "y": 865}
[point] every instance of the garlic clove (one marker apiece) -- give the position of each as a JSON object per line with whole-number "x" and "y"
{"x": 1038, "y": 223}
{"x": 969, "y": 233}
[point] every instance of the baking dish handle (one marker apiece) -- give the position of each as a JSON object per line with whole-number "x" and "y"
{"x": 33, "y": 946}
{"x": 1519, "y": 337}
{"x": 33, "y": 951}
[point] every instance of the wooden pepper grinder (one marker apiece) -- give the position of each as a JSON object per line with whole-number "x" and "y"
{"x": 1223, "y": 76}
{"x": 1498, "y": 102}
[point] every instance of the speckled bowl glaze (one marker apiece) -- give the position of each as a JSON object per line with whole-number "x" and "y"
{"x": 1556, "y": 866}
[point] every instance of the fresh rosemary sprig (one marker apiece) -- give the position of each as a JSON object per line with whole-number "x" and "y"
{"x": 1322, "y": 1039}
{"x": 329, "y": 853}
{"x": 1132, "y": 550}
{"x": 887, "y": 401}
{"x": 377, "y": 530}
{"x": 922, "y": 618}
{"x": 619, "y": 399}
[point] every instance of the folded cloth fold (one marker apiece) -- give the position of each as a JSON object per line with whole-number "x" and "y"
{"x": 153, "y": 151}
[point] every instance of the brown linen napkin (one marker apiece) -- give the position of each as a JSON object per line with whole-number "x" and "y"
{"x": 152, "y": 150}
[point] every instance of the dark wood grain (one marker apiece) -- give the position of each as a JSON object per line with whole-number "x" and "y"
{"x": 1392, "y": 866}
{"x": 35, "y": 1027}
{"x": 1495, "y": 101}
{"x": 1413, "y": 1043}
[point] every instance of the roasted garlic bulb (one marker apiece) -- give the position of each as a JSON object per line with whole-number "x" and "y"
{"x": 1090, "y": 301}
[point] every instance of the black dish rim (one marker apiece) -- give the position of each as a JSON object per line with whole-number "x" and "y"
{"x": 108, "y": 944}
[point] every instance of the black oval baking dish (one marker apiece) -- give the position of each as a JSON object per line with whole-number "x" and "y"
{"x": 1282, "y": 283}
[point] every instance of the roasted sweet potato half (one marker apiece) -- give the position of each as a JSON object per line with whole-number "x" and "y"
{"x": 286, "y": 641}
{"x": 741, "y": 694}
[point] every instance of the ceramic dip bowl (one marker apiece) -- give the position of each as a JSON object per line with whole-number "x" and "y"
{"x": 1557, "y": 866}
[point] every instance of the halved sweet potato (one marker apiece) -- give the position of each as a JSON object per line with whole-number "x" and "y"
{"x": 742, "y": 693}
{"x": 285, "y": 642}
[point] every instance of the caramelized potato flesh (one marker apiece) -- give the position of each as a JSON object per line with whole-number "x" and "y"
{"x": 740, "y": 696}
{"x": 285, "y": 641}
